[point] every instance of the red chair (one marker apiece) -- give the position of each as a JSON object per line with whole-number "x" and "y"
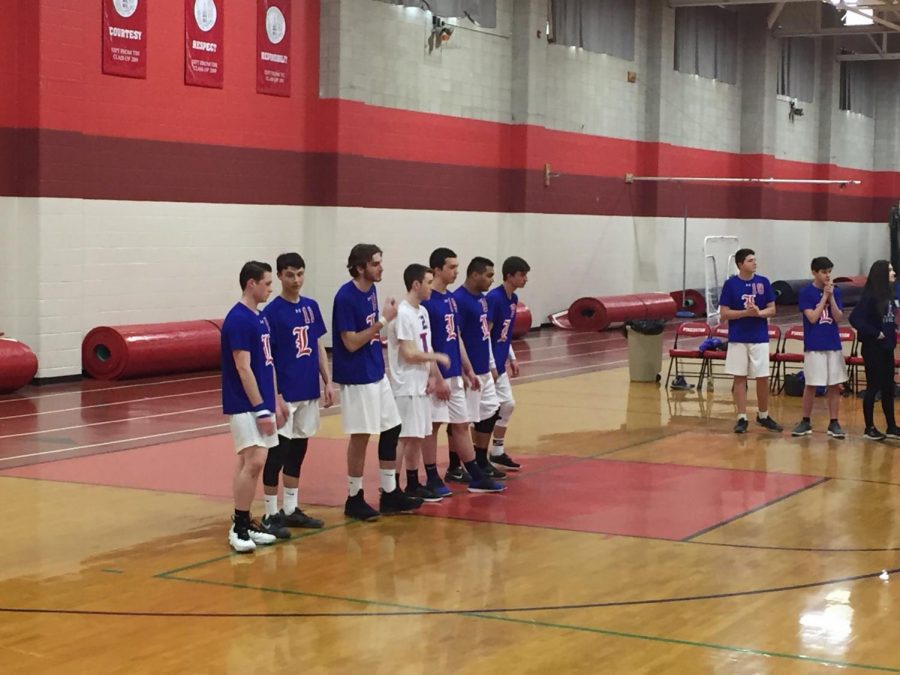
{"x": 711, "y": 356}
{"x": 849, "y": 345}
{"x": 782, "y": 358}
{"x": 691, "y": 330}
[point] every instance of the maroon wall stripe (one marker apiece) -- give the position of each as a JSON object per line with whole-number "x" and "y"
{"x": 49, "y": 163}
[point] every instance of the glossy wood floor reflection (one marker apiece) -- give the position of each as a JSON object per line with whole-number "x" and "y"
{"x": 642, "y": 537}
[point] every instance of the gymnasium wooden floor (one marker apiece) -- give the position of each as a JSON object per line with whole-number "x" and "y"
{"x": 642, "y": 536}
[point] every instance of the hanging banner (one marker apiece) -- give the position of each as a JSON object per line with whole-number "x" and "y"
{"x": 125, "y": 38}
{"x": 273, "y": 47}
{"x": 204, "y": 43}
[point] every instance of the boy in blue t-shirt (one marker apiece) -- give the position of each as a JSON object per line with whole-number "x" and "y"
{"x": 248, "y": 398}
{"x": 747, "y": 302}
{"x": 300, "y": 360}
{"x": 502, "y": 304}
{"x": 823, "y": 361}
{"x": 367, "y": 401}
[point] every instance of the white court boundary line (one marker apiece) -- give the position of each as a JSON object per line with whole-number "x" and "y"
{"x": 124, "y": 386}
{"x": 521, "y": 378}
{"x": 106, "y": 405}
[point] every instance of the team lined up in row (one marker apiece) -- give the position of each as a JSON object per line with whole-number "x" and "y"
{"x": 448, "y": 357}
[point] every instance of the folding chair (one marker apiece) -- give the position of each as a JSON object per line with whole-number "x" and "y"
{"x": 711, "y": 356}
{"x": 782, "y": 358}
{"x": 691, "y": 330}
{"x": 849, "y": 346}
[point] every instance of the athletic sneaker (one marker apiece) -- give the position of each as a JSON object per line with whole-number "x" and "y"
{"x": 893, "y": 433}
{"x": 300, "y": 519}
{"x": 506, "y": 462}
{"x": 356, "y": 507}
{"x": 769, "y": 423}
{"x": 424, "y": 493}
{"x": 436, "y": 485}
{"x": 491, "y": 471}
{"x": 259, "y": 535}
{"x": 741, "y": 426}
{"x": 835, "y": 431}
{"x": 239, "y": 539}
{"x": 873, "y": 434}
{"x": 398, "y": 502}
{"x": 457, "y": 474}
{"x": 802, "y": 429}
{"x": 485, "y": 485}
{"x": 274, "y": 525}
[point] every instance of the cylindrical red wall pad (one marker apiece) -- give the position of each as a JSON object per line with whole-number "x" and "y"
{"x": 119, "y": 352}
{"x": 522, "y": 324}
{"x": 850, "y": 293}
{"x": 217, "y": 323}
{"x": 593, "y": 314}
{"x": 788, "y": 292}
{"x": 694, "y": 301}
{"x": 859, "y": 280}
{"x": 659, "y": 305}
{"x": 18, "y": 365}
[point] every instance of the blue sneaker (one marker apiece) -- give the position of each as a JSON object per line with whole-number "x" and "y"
{"x": 438, "y": 488}
{"x": 486, "y": 485}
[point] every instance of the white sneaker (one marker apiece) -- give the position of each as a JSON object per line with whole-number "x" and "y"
{"x": 238, "y": 544}
{"x": 259, "y": 536}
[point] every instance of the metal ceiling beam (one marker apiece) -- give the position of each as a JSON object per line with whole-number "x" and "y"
{"x": 843, "y": 30}
{"x": 775, "y": 13}
{"x": 726, "y": 3}
{"x": 868, "y": 57}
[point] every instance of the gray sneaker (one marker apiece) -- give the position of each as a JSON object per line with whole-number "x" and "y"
{"x": 300, "y": 519}
{"x": 802, "y": 429}
{"x": 835, "y": 431}
{"x": 769, "y": 423}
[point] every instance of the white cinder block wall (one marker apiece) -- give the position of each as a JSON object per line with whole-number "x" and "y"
{"x": 69, "y": 265}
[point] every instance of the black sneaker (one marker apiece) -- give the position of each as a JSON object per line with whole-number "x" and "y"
{"x": 274, "y": 525}
{"x": 437, "y": 487}
{"x": 457, "y": 474}
{"x": 769, "y": 423}
{"x": 892, "y": 433}
{"x": 398, "y": 502}
{"x": 741, "y": 426}
{"x": 506, "y": 462}
{"x": 835, "y": 431}
{"x": 804, "y": 428}
{"x": 873, "y": 434}
{"x": 300, "y": 519}
{"x": 424, "y": 493}
{"x": 492, "y": 472}
{"x": 357, "y": 508}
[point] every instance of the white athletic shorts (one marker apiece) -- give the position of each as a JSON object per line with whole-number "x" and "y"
{"x": 483, "y": 403}
{"x": 747, "y": 359}
{"x": 822, "y": 369}
{"x": 245, "y": 433}
{"x": 303, "y": 421}
{"x": 454, "y": 410}
{"x": 504, "y": 390}
{"x": 415, "y": 416}
{"x": 368, "y": 408}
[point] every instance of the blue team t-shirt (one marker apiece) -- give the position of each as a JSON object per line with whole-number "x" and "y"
{"x": 739, "y": 294}
{"x": 444, "y": 318}
{"x": 355, "y": 310}
{"x": 473, "y": 323}
{"x": 821, "y": 336}
{"x": 245, "y": 330}
{"x": 296, "y": 329}
{"x": 501, "y": 316}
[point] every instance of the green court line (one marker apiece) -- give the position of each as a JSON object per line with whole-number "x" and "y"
{"x": 548, "y": 624}
{"x": 306, "y": 535}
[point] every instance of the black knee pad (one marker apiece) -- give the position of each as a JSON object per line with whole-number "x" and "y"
{"x": 487, "y": 426}
{"x": 294, "y": 456}
{"x": 387, "y": 444}
{"x": 274, "y": 462}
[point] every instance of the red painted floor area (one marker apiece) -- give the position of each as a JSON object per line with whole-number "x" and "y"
{"x": 590, "y": 495}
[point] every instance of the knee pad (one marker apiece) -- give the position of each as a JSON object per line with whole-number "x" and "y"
{"x": 505, "y": 412}
{"x": 293, "y": 457}
{"x": 387, "y": 444}
{"x": 487, "y": 426}
{"x": 274, "y": 462}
